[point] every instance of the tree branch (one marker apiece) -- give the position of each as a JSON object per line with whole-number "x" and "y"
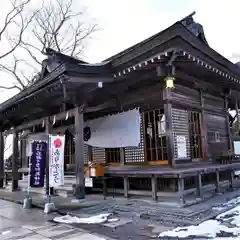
{"x": 57, "y": 24}
{"x": 14, "y": 16}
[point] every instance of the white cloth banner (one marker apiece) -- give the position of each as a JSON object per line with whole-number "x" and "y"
{"x": 56, "y": 160}
{"x": 115, "y": 131}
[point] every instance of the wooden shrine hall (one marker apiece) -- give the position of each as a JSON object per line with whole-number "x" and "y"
{"x": 183, "y": 90}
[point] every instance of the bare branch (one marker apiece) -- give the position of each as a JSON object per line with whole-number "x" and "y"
{"x": 15, "y": 16}
{"x": 57, "y": 24}
{"x": 10, "y": 88}
{"x": 13, "y": 72}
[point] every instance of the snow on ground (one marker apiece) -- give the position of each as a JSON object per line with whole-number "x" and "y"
{"x": 225, "y": 226}
{"x": 100, "y": 218}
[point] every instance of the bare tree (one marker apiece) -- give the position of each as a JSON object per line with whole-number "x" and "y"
{"x": 14, "y": 21}
{"x": 59, "y": 25}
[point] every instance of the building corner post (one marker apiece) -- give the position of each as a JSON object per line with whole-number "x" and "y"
{"x": 15, "y": 158}
{"x": 79, "y": 154}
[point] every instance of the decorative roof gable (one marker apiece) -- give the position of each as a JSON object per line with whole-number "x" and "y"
{"x": 194, "y": 27}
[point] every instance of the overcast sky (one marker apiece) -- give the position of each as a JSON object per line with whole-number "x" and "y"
{"x": 126, "y": 22}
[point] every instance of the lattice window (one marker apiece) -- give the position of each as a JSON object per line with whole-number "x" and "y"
{"x": 155, "y": 134}
{"x": 98, "y": 155}
{"x": 196, "y": 135}
{"x": 86, "y": 154}
{"x": 136, "y": 154}
{"x": 113, "y": 155}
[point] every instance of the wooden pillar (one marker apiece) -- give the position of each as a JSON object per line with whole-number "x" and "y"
{"x": 126, "y": 186}
{"x": 79, "y": 154}
{"x": 24, "y": 153}
{"x": 231, "y": 179}
{"x": 154, "y": 188}
{"x": 217, "y": 182}
{"x": 122, "y": 156}
{"x": 181, "y": 189}
{"x": 104, "y": 181}
{"x": 205, "y": 149}
{"x": 228, "y": 124}
{"x": 236, "y": 108}
{"x": 199, "y": 185}
{"x": 15, "y": 156}
{"x": 169, "y": 127}
{"x": 1, "y": 159}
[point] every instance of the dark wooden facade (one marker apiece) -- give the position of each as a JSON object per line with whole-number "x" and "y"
{"x": 206, "y": 86}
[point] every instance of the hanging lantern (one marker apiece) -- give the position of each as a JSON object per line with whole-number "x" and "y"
{"x": 169, "y": 82}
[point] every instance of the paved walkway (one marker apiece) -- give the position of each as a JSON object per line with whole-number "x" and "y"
{"x": 19, "y": 223}
{"x": 139, "y": 219}
{"x": 63, "y": 205}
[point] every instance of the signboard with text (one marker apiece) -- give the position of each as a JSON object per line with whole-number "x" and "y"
{"x": 38, "y": 160}
{"x": 56, "y": 160}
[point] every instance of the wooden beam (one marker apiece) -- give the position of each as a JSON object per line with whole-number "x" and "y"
{"x": 15, "y": 162}
{"x": 79, "y": 153}
{"x": 169, "y": 127}
{"x": 88, "y": 79}
{"x": 1, "y": 159}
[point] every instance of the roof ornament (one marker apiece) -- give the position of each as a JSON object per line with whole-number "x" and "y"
{"x": 194, "y": 27}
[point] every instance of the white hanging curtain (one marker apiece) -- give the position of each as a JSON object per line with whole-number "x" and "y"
{"x": 115, "y": 131}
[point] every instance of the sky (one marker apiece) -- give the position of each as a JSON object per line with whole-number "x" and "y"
{"x": 126, "y": 22}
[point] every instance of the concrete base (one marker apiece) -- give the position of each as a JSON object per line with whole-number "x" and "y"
{"x": 79, "y": 191}
{"x": 49, "y": 207}
{"x": 27, "y": 203}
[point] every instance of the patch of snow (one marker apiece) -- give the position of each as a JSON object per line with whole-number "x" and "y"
{"x": 67, "y": 219}
{"x": 227, "y": 222}
{"x": 208, "y": 229}
{"x": 6, "y": 232}
{"x": 231, "y": 203}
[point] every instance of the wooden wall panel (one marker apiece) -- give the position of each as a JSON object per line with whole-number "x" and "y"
{"x": 216, "y": 127}
{"x": 212, "y": 102}
{"x": 187, "y": 96}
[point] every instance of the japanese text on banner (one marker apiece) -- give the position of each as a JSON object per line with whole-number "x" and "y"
{"x": 56, "y": 160}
